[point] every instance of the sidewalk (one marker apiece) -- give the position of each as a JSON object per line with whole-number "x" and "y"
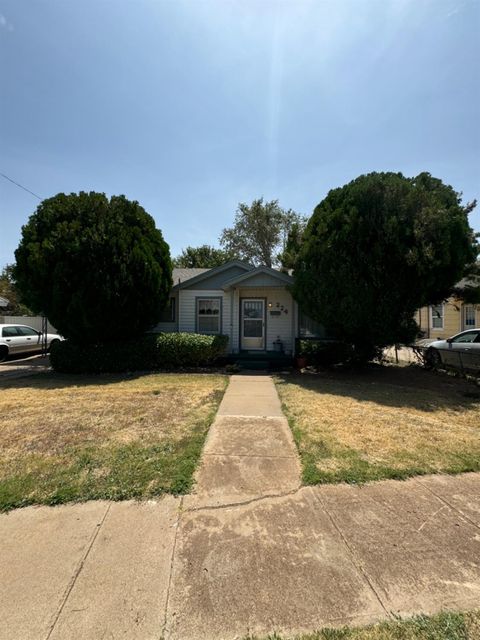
{"x": 249, "y": 552}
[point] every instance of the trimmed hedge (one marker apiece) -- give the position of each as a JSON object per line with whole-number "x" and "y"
{"x": 150, "y": 352}
{"x": 175, "y": 350}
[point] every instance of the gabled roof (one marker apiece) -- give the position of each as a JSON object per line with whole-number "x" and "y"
{"x": 273, "y": 273}
{"x": 207, "y": 273}
{"x": 471, "y": 281}
{"x": 180, "y": 275}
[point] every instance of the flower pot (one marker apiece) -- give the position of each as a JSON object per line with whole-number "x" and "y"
{"x": 300, "y": 362}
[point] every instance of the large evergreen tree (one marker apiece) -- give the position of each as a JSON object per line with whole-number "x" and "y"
{"x": 97, "y": 267}
{"x": 379, "y": 248}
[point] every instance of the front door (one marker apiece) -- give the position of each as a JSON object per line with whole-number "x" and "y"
{"x": 252, "y": 323}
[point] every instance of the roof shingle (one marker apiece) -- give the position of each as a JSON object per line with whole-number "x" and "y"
{"x": 180, "y": 275}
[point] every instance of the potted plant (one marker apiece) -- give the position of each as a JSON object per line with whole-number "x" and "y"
{"x": 300, "y": 356}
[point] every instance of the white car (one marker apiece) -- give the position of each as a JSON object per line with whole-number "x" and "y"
{"x": 19, "y": 338}
{"x": 461, "y": 351}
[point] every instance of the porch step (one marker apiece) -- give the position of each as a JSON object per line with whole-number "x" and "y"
{"x": 257, "y": 365}
{"x": 261, "y": 360}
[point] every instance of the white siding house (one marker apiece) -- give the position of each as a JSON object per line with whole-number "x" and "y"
{"x": 253, "y": 306}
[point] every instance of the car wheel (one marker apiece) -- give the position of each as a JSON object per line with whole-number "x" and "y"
{"x": 52, "y": 343}
{"x": 434, "y": 359}
{"x": 3, "y": 353}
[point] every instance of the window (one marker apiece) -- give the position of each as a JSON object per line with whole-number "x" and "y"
{"x": 27, "y": 331}
{"x": 470, "y": 336}
{"x": 10, "y": 332}
{"x": 309, "y": 328}
{"x": 437, "y": 316}
{"x": 168, "y": 314}
{"x": 209, "y": 315}
{"x": 469, "y": 315}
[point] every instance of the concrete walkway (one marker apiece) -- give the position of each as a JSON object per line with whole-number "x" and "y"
{"x": 249, "y": 451}
{"x": 249, "y": 552}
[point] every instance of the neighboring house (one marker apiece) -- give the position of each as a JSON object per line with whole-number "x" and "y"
{"x": 4, "y": 302}
{"x": 445, "y": 320}
{"x": 251, "y": 305}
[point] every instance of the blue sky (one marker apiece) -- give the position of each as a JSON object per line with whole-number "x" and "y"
{"x": 192, "y": 106}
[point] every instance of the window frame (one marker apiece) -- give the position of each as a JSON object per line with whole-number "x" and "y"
{"x": 442, "y": 317}
{"x": 219, "y": 316}
{"x": 472, "y": 308}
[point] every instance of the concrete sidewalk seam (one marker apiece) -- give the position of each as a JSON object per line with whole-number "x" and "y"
{"x": 250, "y": 417}
{"x": 352, "y": 554}
{"x": 164, "y": 632}
{"x": 230, "y": 505}
{"x": 447, "y": 504}
{"x": 250, "y": 455}
{"x": 77, "y": 571}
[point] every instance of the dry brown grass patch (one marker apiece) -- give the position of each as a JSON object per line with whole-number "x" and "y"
{"x": 45, "y": 414}
{"x": 401, "y": 421}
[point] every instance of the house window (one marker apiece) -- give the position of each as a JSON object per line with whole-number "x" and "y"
{"x": 168, "y": 314}
{"x": 469, "y": 315}
{"x": 209, "y": 315}
{"x": 309, "y": 328}
{"x": 437, "y": 316}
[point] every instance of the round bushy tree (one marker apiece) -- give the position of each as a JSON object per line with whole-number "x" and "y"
{"x": 96, "y": 267}
{"x": 376, "y": 250}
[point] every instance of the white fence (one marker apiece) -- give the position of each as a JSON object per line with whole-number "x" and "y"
{"x": 31, "y": 321}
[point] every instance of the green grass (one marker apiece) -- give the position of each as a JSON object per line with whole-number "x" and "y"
{"x": 384, "y": 423}
{"x": 444, "y": 626}
{"x": 107, "y": 437}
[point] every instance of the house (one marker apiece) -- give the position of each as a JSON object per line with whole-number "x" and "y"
{"x": 444, "y": 320}
{"x": 253, "y": 306}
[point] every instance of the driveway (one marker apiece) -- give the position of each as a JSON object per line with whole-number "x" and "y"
{"x": 19, "y": 366}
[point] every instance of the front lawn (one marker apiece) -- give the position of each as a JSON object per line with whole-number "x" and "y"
{"x": 444, "y": 626}
{"x": 384, "y": 422}
{"x": 71, "y": 438}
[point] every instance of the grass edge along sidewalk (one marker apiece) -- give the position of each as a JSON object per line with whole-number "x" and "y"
{"x": 443, "y": 626}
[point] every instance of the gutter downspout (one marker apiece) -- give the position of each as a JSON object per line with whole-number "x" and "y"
{"x": 231, "y": 319}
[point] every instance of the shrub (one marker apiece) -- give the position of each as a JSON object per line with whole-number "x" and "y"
{"x": 176, "y": 350}
{"x": 150, "y": 352}
{"x": 325, "y": 353}
{"x": 134, "y": 355}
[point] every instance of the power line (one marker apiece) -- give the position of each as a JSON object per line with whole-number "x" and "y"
{"x": 21, "y": 186}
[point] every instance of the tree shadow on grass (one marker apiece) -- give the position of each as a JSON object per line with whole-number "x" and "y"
{"x": 393, "y": 386}
{"x": 48, "y": 380}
